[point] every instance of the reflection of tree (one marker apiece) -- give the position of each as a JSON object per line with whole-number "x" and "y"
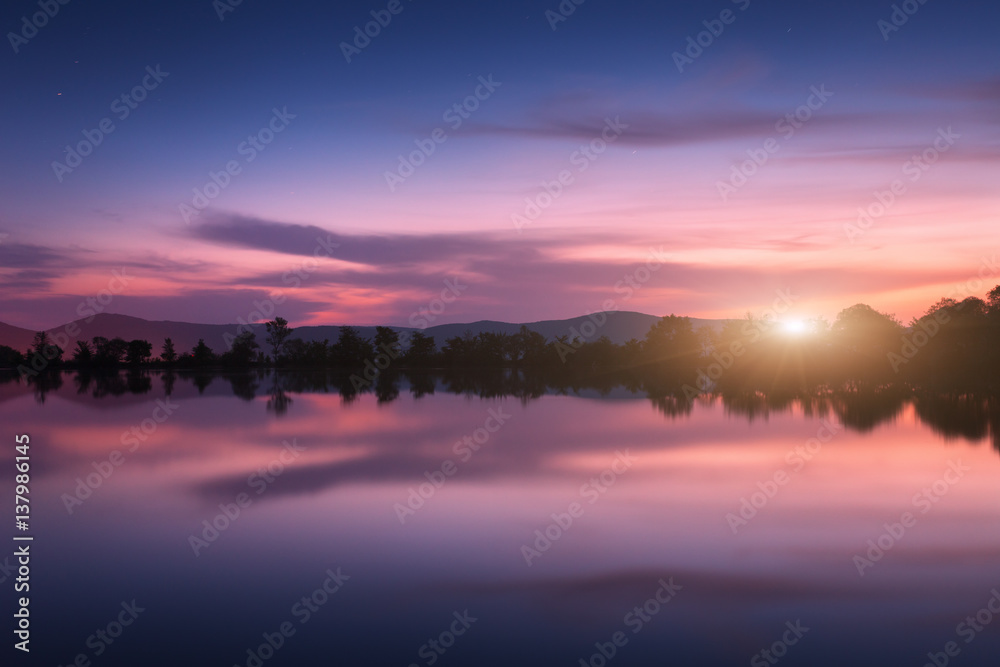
{"x": 494, "y": 383}
{"x": 43, "y": 383}
{"x": 245, "y": 385}
{"x": 109, "y": 383}
{"x": 138, "y": 382}
{"x": 202, "y": 380}
{"x": 755, "y": 405}
{"x": 168, "y": 382}
{"x": 994, "y": 419}
{"x": 858, "y": 406}
{"x": 955, "y": 415}
{"x": 82, "y": 381}
{"x": 421, "y": 384}
{"x": 864, "y": 408}
{"x": 673, "y": 405}
{"x": 387, "y": 387}
{"x": 277, "y": 401}
{"x": 348, "y": 393}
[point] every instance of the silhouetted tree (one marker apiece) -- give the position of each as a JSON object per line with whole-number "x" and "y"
{"x": 672, "y": 348}
{"x": 993, "y": 300}
{"x": 202, "y": 354}
{"x": 351, "y": 350}
{"x": 168, "y": 354}
{"x": 83, "y": 355}
{"x": 278, "y": 332}
{"x": 864, "y": 339}
{"x": 243, "y": 349}
{"x": 43, "y": 348}
{"x": 109, "y": 352}
{"x": 387, "y": 341}
{"x": 10, "y": 358}
{"x": 40, "y": 343}
{"x": 422, "y": 350}
{"x": 138, "y": 352}
{"x": 530, "y": 347}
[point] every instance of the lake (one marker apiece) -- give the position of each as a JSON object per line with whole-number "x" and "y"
{"x": 274, "y": 520}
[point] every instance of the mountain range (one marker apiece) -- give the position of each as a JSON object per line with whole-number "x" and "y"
{"x": 618, "y": 326}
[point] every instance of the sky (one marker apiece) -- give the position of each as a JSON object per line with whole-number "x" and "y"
{"x": 512, "y": 160}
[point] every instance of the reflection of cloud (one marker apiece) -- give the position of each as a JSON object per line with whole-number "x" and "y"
{"x": 387, "y": 466}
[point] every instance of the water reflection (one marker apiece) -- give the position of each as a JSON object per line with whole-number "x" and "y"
{"x": 363, "y": 450}
{"x": 863, "y": 409}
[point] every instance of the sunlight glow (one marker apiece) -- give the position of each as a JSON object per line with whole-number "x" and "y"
{"x": 795, "y": 327}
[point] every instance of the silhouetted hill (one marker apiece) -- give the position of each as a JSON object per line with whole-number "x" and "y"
{"x": 619, "y": 327}
{"x": 15, "y": 337}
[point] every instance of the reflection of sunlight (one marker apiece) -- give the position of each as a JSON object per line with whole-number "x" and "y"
{"x": 794, "y": 327}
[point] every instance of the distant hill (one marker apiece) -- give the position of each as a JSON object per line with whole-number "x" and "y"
{"x": 15, "y": 337}
{"x": 619, "y": 327}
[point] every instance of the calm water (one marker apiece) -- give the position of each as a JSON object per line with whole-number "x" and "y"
{"x": 649, "y": 495}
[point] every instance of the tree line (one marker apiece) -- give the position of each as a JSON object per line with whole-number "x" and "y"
{"x": 954, "y": 343}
